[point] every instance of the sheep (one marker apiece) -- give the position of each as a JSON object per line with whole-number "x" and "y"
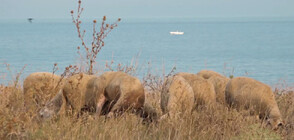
{"x": 247, "y": 93}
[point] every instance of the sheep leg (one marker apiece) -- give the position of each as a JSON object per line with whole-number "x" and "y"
{"x": 101, "y": 101}
{"x": 116, "y": 107}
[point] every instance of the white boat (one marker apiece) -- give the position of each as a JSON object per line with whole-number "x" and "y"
{"x": 176, "y": 33}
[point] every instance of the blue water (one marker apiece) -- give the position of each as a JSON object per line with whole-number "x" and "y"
{"x": 258, "y": 48}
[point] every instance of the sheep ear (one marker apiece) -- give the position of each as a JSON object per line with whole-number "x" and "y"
{"x": 267, "y": 121}
{"x": 282, "y": 123}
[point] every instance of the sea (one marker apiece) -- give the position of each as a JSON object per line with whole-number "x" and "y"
{"x": 261, "y": 48}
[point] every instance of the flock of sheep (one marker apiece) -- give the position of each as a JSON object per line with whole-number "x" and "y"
{"x": 113, "y": 93}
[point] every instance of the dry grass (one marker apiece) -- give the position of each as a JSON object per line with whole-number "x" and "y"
{"x": 218, "y": 123}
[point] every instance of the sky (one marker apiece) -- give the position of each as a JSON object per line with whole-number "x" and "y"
{"x": 47, "y": 9}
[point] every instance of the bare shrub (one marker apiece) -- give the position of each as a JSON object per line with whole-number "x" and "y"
{"x": 98, "y": 36}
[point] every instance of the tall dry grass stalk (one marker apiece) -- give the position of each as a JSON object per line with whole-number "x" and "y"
{"x": 131, "y": 69}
